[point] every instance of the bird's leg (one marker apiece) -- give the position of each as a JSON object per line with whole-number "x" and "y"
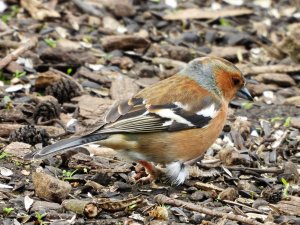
{"x": 195, "y": 160}
{"x": 150, "y": 170}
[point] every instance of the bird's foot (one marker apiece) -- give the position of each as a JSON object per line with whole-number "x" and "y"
{"x": 149, "y": 169}
{"x": 146, "y": 180}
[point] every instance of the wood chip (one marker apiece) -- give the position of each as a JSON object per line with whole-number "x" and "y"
{"x": 125, "y": 42}
{"x": 18, "y": 149}
{"x": 92, "y": 107}
{"x": 206, "y": 13}
{"x": 123, "y": 87}
{"x": 279, "y": 68}
{"x": 288, "y": 207}
{"x": 227, "y": 52}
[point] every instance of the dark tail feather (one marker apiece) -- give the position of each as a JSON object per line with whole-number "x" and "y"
{"x": 65, "y": 145}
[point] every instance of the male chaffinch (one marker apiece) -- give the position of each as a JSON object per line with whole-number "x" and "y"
{"x": 170, "y": 122}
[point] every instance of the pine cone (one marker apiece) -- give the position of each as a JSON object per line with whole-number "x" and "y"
{"x": 30, "y": 135}
{"x": 271, "y": 195}
{"x": 46, "y": 111}
{"x": 63, "y": 90}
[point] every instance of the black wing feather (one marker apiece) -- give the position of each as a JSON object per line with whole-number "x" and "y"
{"x": 144, "y": 118}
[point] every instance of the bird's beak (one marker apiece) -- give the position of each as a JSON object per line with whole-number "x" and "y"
{"x": 245, "y": 94}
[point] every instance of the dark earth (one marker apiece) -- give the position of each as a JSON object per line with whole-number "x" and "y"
{"x": 64, "y": 63}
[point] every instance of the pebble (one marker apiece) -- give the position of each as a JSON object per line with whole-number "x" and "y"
{"x": 123, "y": 186}
{"x": 158, "y": 222}
{"x": 90, "y": 84}
{"x": 50, "y": 188}
{"x": 18, "y": 149}
{"x": 199, "y": 196}
{"x": 190, "y": 37}
{"x": 46, "y": 206}
{"x": 145, "y": 70}
{"x": 196, "y": 218}
{"x": 295, "y": 122}
{"x": 102, "y": 178}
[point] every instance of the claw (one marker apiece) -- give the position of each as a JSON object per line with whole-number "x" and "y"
{"x": 150, "y": 170}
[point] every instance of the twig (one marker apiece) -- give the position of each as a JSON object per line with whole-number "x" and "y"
{"x": 16, "y": 53}
{"x": 162, "y": 199}
{"x": 242, "y": 205}
{"x": 7, "y": 32}
{"x": 273, "y": 50}
{"x": 59, "y": 122}
{"x": 4, "y": 140}
{"x": 244, "y": 169}
{"x": 88, "y": 8}
{"x": 257, "y": 170}
{"x": 9, "y": 44}
{"x": 169, "y": 62}
{"x": 279, "y": 68}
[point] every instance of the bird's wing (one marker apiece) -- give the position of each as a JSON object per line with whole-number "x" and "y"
{"x": 136, "y": 116}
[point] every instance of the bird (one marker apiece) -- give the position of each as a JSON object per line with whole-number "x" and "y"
{"x": 171, "y": 122}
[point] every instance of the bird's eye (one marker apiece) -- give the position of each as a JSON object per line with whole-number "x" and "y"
{"x": 236, "y": 81}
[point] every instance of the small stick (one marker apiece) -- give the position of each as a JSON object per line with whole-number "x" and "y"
{"x": 82, "y": 207}
{"x": 257, "y": 170}
{"x": 279, "y": 68}
{"x": 162, "y": 199}
{"x": 59, "y": 122}
{"x": 243, "y": 169}
{"x": 242, "y": 205}
{"x": 7, "y": 32}
{"x": 9, "y": 44}
{"x": 4, "y": 140}
{"x": 16, "y": 53}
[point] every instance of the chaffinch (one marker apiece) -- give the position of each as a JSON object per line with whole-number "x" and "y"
{"x": 170, "y": 122}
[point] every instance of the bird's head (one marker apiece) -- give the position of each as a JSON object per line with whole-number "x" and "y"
{"x": 218, "y": 76}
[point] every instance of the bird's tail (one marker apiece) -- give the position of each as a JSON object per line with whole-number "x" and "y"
{"x": 65, "y": 145}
